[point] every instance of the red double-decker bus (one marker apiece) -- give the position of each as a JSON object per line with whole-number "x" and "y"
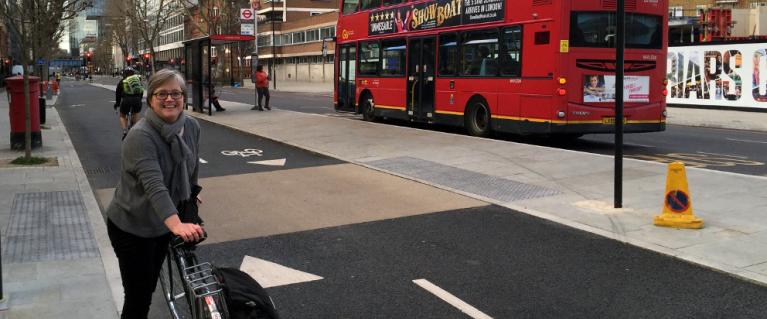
{"x": 518, "y": 66}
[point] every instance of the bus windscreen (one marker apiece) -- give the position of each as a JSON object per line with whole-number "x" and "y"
{"x": 598, "y": 29}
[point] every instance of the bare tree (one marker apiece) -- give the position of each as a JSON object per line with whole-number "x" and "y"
{"x": 148, "y": 18}
{"x": 121, "y": 27}
{"x": 211, "y": 16}
{"x": 37, "y": 24}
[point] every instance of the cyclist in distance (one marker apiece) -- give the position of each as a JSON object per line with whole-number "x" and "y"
{"x": 159, "y": 169}
{"x": 128, "y": 98}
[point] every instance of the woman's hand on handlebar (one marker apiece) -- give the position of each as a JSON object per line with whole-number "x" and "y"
{"x": 187, "y": 232}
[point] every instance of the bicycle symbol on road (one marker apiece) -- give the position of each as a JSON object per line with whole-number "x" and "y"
{"x": 244, "y": 153}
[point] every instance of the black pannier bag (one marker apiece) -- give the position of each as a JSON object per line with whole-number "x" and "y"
{"x": 188, "y": 210}
{"x": 245, "y": 298}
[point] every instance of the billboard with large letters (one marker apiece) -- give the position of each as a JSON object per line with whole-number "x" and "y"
{"x": 729, "y": 75}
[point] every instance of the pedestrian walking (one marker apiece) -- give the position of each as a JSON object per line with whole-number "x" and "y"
{"x": 159, "y": 170}
{"x": 214, "y": 99}
{"x": 262, "y": 88}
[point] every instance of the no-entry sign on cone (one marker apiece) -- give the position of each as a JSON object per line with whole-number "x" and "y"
{"x": 677, "y": 204}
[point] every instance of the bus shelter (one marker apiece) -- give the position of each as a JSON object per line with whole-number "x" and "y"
{"x": 198, "y": 61}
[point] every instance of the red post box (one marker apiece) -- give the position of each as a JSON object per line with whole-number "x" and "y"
{"x": 17, "y": 113}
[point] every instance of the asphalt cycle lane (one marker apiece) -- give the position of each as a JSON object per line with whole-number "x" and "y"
{"x": 499, "y": 262}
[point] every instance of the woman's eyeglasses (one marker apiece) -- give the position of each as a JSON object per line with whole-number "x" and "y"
{"x": 173, "y": 95}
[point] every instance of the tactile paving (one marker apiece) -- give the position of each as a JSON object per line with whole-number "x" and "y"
{"x": 48, "y": 226}
{"x": 489, "y": 186}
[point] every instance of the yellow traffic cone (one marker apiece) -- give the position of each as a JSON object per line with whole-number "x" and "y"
{"x": 677, "y": 204}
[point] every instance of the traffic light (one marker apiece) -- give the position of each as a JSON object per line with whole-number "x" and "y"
{"x": 146, "y": 56}
{"x": 7, "y": 61}
{"x": 88, "y": 56}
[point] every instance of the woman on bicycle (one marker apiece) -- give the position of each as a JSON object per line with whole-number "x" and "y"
{"x": 159, "y": 169}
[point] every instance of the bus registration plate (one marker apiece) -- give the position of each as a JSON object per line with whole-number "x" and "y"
{"x": 611, "y": 120}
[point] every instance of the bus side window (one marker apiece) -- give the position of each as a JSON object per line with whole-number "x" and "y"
{"x": 448, "y": 54}
{"x": 393, "y": 57}
{"x": 369, "y": 4}
{"x": 392, "y": 2}
{"x": 369, "y": 58}
{"x": 480, "y": 50}
{"x": 511, "y": 51}
{"x": 350, "y": 6}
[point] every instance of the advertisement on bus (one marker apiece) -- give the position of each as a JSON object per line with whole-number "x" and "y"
{"x": 725, "y": 75}
{"x": 434, "y": 14}
{"x": 601, "y": 88}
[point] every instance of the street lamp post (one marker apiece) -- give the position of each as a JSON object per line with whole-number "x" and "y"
{"x": 272, "y": 65}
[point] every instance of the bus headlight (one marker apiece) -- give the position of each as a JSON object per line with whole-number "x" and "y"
{"x": 562, "y": 81}
{"x": 561, "y": 114}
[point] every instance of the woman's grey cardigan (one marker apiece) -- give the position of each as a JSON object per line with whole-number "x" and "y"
{"x": 141, "y": 201}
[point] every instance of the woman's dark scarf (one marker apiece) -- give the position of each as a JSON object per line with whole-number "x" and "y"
{"x": 183, "y": 160}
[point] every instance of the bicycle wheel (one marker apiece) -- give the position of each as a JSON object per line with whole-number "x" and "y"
{"x": 173, "y": 290}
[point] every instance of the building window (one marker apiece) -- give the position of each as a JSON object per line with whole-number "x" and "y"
{"x": 328, "y": 32}
{"x": 299, "y": 37}
{"x": 264, "y": 40}
{"x": 312, "y": 35}
{"x": 676, "y": 11}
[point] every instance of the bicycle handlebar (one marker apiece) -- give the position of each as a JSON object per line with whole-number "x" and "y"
{"x": 177, "y": 241}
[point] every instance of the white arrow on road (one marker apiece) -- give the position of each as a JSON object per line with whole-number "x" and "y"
{"x": 203, "y": 161}
{"x": 269, "y": 274}
{"x": 277, "y": 162}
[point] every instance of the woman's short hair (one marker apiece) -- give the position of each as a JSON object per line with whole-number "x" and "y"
{"x": 162, "y": 77}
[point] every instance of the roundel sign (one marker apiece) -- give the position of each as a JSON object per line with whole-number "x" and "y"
{"x": 677, "y": 201}
{"x": 246, "y": 14}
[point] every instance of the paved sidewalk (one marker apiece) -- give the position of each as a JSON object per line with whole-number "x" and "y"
{"x": 54, "y": 240}
{"x": 571, "y": 188}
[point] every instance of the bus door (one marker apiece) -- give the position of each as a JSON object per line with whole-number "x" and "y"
{"x": 421, "y": 56}
{"x": 347, "y": 62}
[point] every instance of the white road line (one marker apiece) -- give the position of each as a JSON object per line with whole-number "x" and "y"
{"x": 452, "y": 300}
{"x": 203, "y": 161}
{"x": 270, "y": 274}
{"x": 746, "y": 141}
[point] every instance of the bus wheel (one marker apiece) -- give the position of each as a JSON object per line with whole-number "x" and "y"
{"x": 368, "y": 109}
{"x": 478, "y": 119}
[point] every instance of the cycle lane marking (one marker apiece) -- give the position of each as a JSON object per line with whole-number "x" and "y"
{"x": 274, "y": 162}
{"x": 451, "y": 299}
{"x": 746, "y": 141}
{"x": 270, "y": 274}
